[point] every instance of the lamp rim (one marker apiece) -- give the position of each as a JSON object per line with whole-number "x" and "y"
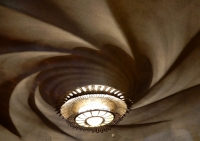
{"x": 87, "y": 92}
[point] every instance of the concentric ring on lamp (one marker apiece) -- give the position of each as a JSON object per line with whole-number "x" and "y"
{"x": 95, "y": 108}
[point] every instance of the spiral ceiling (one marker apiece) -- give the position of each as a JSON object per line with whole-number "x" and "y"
{"x": 148, "y": 49}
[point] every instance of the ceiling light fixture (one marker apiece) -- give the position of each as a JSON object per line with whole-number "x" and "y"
{"x": 95, "y": 108}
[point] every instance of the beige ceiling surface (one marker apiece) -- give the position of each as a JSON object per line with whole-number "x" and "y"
{"x": 148, "y": 49}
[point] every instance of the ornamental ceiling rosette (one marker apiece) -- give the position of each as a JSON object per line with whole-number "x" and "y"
{"x": 95, "y": 108}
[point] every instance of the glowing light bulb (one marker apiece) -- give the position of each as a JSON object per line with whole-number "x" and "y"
{"x": 93, "y": 106}
{"x": 94, "y": 121}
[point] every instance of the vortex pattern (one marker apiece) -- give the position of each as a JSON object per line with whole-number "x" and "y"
{"x": 148, "y": 49}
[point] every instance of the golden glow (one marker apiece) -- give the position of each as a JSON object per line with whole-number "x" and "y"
{"x": 94, "y": 121}
{"x": 92, "y": 105}
{"x": 99, "y": 102}
{"x": 94, "y": 118}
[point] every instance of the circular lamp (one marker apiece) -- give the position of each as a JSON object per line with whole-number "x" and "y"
{"x": 95, "y": 108}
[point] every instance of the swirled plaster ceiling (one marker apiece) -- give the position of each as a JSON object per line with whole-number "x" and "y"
{"x": 147, "y": 48}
